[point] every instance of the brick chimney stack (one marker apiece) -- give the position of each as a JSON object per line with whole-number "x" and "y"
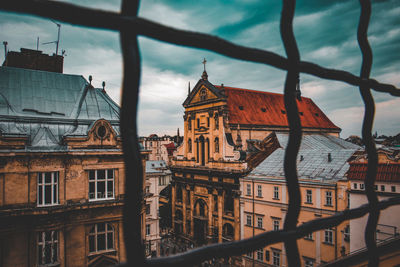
{"x": 35, "y": 60}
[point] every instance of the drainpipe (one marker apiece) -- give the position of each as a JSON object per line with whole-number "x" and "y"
{"x": 253, "y": 222}
{"x": 336, "y": 209}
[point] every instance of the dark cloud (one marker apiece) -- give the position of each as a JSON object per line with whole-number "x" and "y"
{"x": 325, "y": 33}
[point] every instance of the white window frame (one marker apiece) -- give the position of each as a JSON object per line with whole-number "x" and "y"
{"x": 54, "y": 248}
{"x": 259, "y": 190}
{"x": 248, "y": 189}
{"x": 259, "y": 222}
{"x": 276, "y": 258}
{"x": 346, "y": 233}
{"x": 248, "y": 220}
{"x": 148, "y": 229}
{"x": 328, "y": 237}
{"x": 94, "y": 196}
{"x": 275, "y": 225}
{"x": 260, "y": 254}
{"x": 309, "y": 236}
{"x": 41, "y": 189}
{"x": 328, "y": 198}
{"x": 96, "y": 233}
{"x": 276, "y": 192}
{"x": 309, "y": 196}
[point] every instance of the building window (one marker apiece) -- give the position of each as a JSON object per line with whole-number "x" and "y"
{"x": 203, "y": 95}
{"x": 259, "y": 190}
{"x": 328, "y": 198}
{"x": 250, "y": 254}
{"x": 260, "y": 254}
{"x": 147, "y": 209}
{"x": 354, "y": 185}
{"x": 215, "y": 203}
{"x": 308, "y": 263}
{"x": 190, "y": 145}
{"x": 47, "y": 188}
{"x": 216, "y": 145}
{"x": 382, "y": 188}
{"x": 147, "y": 229}
{"x": 101, "y": 237}
{"x": 346, "y": 233}
{"x": 101, "y": 184}
{"x": 393, "y": 188}
{"x": 47, "y": 248}
{"x": 328, "y": 236}
{"x": 309, "y": 236}
{"x": 216, "y": 121}
{"x": 162, "y": 180}
{"x": 361, "y": 186}
{"x": 276, "y": 258}
{"x": 376, "y": 188}
{"x": 260, "y": 222}
{"x": 276, "y": 192}
{"x": 275, "y": 225}
{"x": 308, "y": 196}
{"x": 147, "y": 189}
{"x": 248, "y": 220}
{"x": 198, "y": 123}
{"x": 248, "y": 191}
{"x": 267, "y": 255}
{"x": 190, "y": 124}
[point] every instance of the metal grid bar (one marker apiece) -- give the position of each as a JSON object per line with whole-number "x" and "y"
{"x": 373, "y": 217}
{"x": 292, "y": 148}
{"x": 130, "y": 26}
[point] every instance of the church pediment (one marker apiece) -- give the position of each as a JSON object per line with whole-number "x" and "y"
{"x": 203, "y": 92}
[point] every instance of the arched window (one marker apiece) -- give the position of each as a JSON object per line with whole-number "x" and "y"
{"x": 203, "y": 95}
{"x": 101, "y": 237}
{"x": 190, "y": 145}
{"x": 216, "y": 121}
{"x": 227, "y": 231}
{"x": 190, "y": 123}
{"x": 216, "y": 143}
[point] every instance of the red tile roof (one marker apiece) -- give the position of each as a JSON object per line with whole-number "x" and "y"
{"x": 170, "y": 148}
{"x": 387, "y": 172}
{"x": 251, "y": 107}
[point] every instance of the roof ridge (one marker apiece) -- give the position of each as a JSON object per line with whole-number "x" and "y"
{"x": 253, "y": 90}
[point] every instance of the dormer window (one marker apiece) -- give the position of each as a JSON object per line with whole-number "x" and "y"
{"x": 203, "y": 95}
{"x": 241, "y": 107}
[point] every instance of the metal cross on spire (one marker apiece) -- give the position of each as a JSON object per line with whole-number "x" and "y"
{"x": 204, "y": 63}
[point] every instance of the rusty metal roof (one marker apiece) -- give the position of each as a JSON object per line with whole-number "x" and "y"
{"x": 386, "y": 172}
{"x": 251, "y": 107}
{"x": 46, "y": 106}
{"x": 321, "y": 157}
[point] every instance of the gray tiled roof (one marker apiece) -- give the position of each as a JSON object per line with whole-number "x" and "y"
{"x": 155, "y": 166}
{"x": 46, "y": 106}
{"x": 312, "y": 160}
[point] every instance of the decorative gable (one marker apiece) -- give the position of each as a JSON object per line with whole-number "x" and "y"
{"x": 203, "y": 92}
{"x": 100, "y": 135}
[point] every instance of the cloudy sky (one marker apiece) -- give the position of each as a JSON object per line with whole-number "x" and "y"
{"x": 325, "y": 32}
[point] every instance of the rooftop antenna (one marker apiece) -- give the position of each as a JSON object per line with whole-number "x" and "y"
{"x": 58, "y": 37}
{"x": 37, "y": 44}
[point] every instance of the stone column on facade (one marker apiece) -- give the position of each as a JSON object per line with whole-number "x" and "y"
{"x": 173, "y": 199}
{"x": 184, "y": 196}
{"x": 210, "y": 211}
{"x": 191, "y": 212}
{"x": 236, "y": 214}
{"x": 220, "y": 212}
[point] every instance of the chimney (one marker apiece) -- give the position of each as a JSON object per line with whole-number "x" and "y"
{"x": 34, "y": 60}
